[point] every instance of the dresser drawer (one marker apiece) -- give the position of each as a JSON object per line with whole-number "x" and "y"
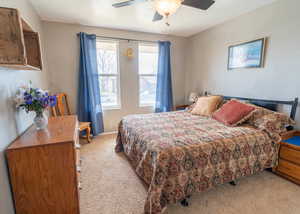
{"x": 77, "y": 152}
{"x": 79, "y": 181}
{"x": 78, "y": 167}
{"x": 290, "y": 154}
{"x": 289, "y": 169}
{"x": 77, "y": 139}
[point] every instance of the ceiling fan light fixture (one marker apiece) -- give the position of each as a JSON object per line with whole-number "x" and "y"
{"x": 167, "y": 7}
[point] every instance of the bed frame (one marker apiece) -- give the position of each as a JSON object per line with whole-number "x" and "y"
{"x": 293, "y": 103}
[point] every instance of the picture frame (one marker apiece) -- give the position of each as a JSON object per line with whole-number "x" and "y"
{"x": 246, "y": 55}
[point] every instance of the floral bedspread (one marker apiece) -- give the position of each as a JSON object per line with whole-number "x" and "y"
{"x": 178, "y": 154}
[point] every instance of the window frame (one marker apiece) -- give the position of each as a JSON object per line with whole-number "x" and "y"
{"x": 117, "y": 75}
{"x": 149, "y": 105}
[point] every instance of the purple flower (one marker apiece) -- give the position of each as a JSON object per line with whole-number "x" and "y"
{"x": 34, "y": 99}
{"x": 27, "y": 97}
{"x": 52, "y": 100}
{"x": 28, "y": 102}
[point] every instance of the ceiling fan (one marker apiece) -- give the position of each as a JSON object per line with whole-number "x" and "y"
{"x": 165, "y": 8}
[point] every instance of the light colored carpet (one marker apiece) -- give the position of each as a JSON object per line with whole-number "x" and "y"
{"x": 110, "y": 186}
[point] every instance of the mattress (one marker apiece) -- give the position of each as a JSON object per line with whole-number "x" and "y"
{"x": 178, "y": 154}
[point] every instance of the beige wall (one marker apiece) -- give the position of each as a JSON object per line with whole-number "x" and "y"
{"x": 198, "y": 63}
{"x": 62, "y": 47}
{"x": 12, "y": 122}
{"x": 279, "y": 79}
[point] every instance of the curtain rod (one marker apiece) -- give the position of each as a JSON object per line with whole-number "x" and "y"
{"x": 126, "y": 39}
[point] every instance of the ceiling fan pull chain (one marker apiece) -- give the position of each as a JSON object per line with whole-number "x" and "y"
{"x": 167, "y": 20}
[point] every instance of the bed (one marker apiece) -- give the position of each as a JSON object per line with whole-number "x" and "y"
{"x": 178, "y": 154}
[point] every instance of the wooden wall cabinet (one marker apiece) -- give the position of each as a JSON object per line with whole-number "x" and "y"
{"x": 43, "y": 168}
{"x": 19, "y": 44}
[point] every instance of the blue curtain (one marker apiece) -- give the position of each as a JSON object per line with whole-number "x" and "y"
{"x": 89, "y": 101}
{"x": 164, "y": 95}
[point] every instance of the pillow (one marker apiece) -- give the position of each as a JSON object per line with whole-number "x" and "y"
{"x": 205, "y": 106}
{"x": 233, "y": 113}
{"x": 274, "y": 122}
{"x": 258, "y": 113}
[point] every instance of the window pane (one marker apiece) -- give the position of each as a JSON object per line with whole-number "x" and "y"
{"x": 148, "y": 59}
{"x": 109, "y": 90}
{"x": 107, "y": 57}
{"x": 107, "y": 60}
{"x": 147, "y": 90}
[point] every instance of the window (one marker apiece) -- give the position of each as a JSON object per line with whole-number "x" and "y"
{"x": 148, "y": 60}
{"x": 108, "y": 69}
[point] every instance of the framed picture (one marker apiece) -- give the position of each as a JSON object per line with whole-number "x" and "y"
{"x": 246, "y": 55}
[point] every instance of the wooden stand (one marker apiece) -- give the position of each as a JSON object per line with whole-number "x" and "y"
{"x": 289, "y": 159}
{"x": 181, "y": 107}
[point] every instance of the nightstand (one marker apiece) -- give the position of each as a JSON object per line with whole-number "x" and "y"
{"x": 181, "y": 107}
{"x": 289, "y": 157}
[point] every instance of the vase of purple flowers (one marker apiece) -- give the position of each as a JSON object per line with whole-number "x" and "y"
{"x": 36, "y": 100}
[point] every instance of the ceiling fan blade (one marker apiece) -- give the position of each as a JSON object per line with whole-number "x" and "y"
{"x": 123, "y": 4}
{"x": 127, "y": 3}
{"x": 200, "y": 4}
{"x": 157, "y": 17}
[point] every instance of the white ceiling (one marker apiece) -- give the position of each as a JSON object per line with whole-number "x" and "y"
{"x": 185, "y": 22}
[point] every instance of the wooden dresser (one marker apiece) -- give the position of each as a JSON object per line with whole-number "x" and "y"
{"x": 43, "y": 167}
{"x": 289, "y": 157}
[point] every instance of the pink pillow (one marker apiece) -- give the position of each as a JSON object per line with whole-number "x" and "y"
{"x": 233, "y": 113}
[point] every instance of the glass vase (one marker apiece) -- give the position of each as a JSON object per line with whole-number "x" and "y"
{"x": 41, "y": 121}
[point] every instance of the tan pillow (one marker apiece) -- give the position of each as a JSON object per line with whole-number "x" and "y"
{"x": 205, "y": 106}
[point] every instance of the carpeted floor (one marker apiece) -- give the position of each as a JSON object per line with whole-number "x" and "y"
{"x": 110, "y": 186}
